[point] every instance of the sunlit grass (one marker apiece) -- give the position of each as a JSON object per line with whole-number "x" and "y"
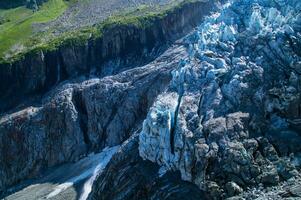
{"x": 17, "y": 27}
{"x": 17, "y": 34}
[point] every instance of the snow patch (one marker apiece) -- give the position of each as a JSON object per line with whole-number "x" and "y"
{"x": 90, "y": 174}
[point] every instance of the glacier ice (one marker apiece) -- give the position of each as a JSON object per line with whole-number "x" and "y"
{"x": 226, "y": 85}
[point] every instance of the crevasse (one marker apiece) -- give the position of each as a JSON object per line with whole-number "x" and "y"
{"x": 233, "y": 57}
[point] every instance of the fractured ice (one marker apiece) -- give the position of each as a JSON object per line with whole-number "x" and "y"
{"x": 244, "y": 65}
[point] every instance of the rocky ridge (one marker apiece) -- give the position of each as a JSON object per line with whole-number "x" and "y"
{"x": 121, "y": 46}
{"x": 229, "y": 106}
{"x": 221, "y": 111}
{"x": 100, "y": 104}
{"x": 80, "y": 117}
{"x": 128, "y": 176}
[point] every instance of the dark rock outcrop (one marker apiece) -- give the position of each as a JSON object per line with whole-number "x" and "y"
{"x": 127, "y": 176}
{"x": 86, "y": 114}
{"x": 221, "y": 116}
{"x": 80, "y": 117}
{"x": 120, "y": 47}
{"x": 32, "y": 4}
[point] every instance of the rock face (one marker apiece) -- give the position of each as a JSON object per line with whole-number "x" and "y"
{"x": 229, "y": 106}
{"x": 129, "y": 177}
{"x": 80, "y": 117}
{"x": 119, "y": 48}
{"x": 86, "y": 113}
{"x": 221, "y": 109}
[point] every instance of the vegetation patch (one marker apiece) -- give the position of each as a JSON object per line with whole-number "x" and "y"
{"x": 16, "y": 27}
{"x": 141, "y": 17}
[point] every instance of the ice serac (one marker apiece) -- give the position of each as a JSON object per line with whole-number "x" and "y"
{"x": 223, "y": 121}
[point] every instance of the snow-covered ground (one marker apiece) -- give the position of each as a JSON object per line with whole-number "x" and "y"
{"x": 70, "y": 181}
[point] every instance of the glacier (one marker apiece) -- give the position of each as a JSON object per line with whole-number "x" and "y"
{"x": 238, "y": 90}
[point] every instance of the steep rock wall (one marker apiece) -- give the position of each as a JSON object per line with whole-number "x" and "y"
{"x": 120, "y": 46}
{"x": 80, "y": 117}
{"x": 139, "y": 179}
{"x": 86, "y": 114}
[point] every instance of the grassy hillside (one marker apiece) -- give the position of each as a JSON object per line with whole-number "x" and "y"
{"x": 18, "y": 37}
{"x": 16, "y": 28}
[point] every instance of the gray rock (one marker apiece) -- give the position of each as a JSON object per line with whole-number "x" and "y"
{"x": 215, "y": 192}
{"x": 127, "y": 176}
{"x": 269, "y": 176}
{"x": 224, "y": 96}
{"x": 296, "y": 191}
{"x": 223, "y": 115}
{"x": 119, "y": 48}
{"x": 233, "y": 189}
{"x": 80, "y": 117}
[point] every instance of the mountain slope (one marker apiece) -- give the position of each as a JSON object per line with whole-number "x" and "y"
{"x": 95, "y": 107}
{"x": 230, "y": 118}
{"x": 213, "y": 115}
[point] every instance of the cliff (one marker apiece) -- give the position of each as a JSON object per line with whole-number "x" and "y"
{"x": 230, "y": 117}
{"x": 215, "y": 114}
{"x": 119, "y": 45}
{"x": 86, "y": 113}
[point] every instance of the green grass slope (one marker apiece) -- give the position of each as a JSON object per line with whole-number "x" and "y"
{"x": 16, "y": 27}
{"x": 17, "y": 37}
